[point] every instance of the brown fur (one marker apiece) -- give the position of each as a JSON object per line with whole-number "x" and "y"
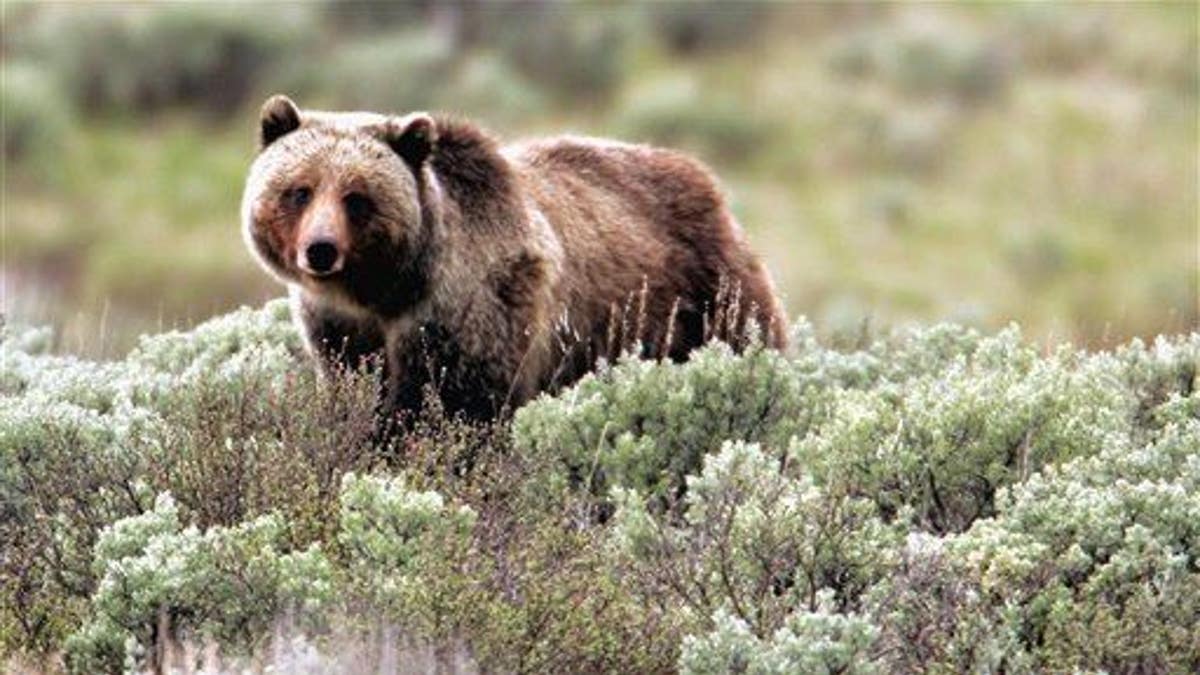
{"x": 492, "y": 273}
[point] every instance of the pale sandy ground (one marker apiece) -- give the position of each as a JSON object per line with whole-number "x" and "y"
{"x": 383, "y": 650}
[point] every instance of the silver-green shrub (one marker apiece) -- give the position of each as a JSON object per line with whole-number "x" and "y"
{"x": 942, "y": 443}
{"x": 1087, "y": 566}
{"x": 757, "y": 538}
{"x": 1097, "y": 561}
{"x": 821, "y": 642}
{"x": 260, "y": 339}
{"x": 227, "y": 584}
{"x": 932, "y": 499}
{"x": 646, "y": 425}
{"x": 226, "y": 417}
{"x": 400, "y": 547}
{"x": 1162, "y": 373}
{"x": 231, "y": 585}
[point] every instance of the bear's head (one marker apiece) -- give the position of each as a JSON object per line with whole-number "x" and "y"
{"x": 339, "y": 203}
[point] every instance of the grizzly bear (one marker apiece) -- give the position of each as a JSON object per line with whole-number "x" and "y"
{"x": 484, "y": 273}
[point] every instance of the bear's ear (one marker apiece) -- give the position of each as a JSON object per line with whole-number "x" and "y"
{"x": 412, "y": 137}
{"x": 279, "y": 116}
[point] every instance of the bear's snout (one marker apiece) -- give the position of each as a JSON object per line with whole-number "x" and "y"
{"x": 323, "y": 238}
{"x": 321, "y": 257}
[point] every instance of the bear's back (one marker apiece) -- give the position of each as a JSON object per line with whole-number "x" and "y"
{"x": 653, "y": 191}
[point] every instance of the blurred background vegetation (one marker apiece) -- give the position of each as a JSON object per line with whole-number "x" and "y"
{"x": 893, "y": 163}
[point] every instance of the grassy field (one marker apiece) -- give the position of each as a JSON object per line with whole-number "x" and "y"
{"x": 891, "y": 163}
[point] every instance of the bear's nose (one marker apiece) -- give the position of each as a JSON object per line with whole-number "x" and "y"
{"x": 322, "y": 257}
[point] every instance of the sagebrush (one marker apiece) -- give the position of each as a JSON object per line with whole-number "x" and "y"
{"x": 933, "y": 499}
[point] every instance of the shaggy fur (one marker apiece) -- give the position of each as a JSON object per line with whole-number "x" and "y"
{"x": 493, "y": 273}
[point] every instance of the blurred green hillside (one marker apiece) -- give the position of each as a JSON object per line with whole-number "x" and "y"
{"x": 892, "y": 162}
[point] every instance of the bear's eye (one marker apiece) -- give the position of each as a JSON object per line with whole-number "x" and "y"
{"x": 297, "y": 198}
{"x": 358, "y": 206}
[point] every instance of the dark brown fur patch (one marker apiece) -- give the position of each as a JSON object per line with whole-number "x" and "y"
{"x": 518, "y": 282}
{"x": 467, "y": 161}
{"x": 341, "y": 341}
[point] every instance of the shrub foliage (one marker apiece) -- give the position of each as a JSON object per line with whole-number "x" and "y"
{"x": 932, "y": 499}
